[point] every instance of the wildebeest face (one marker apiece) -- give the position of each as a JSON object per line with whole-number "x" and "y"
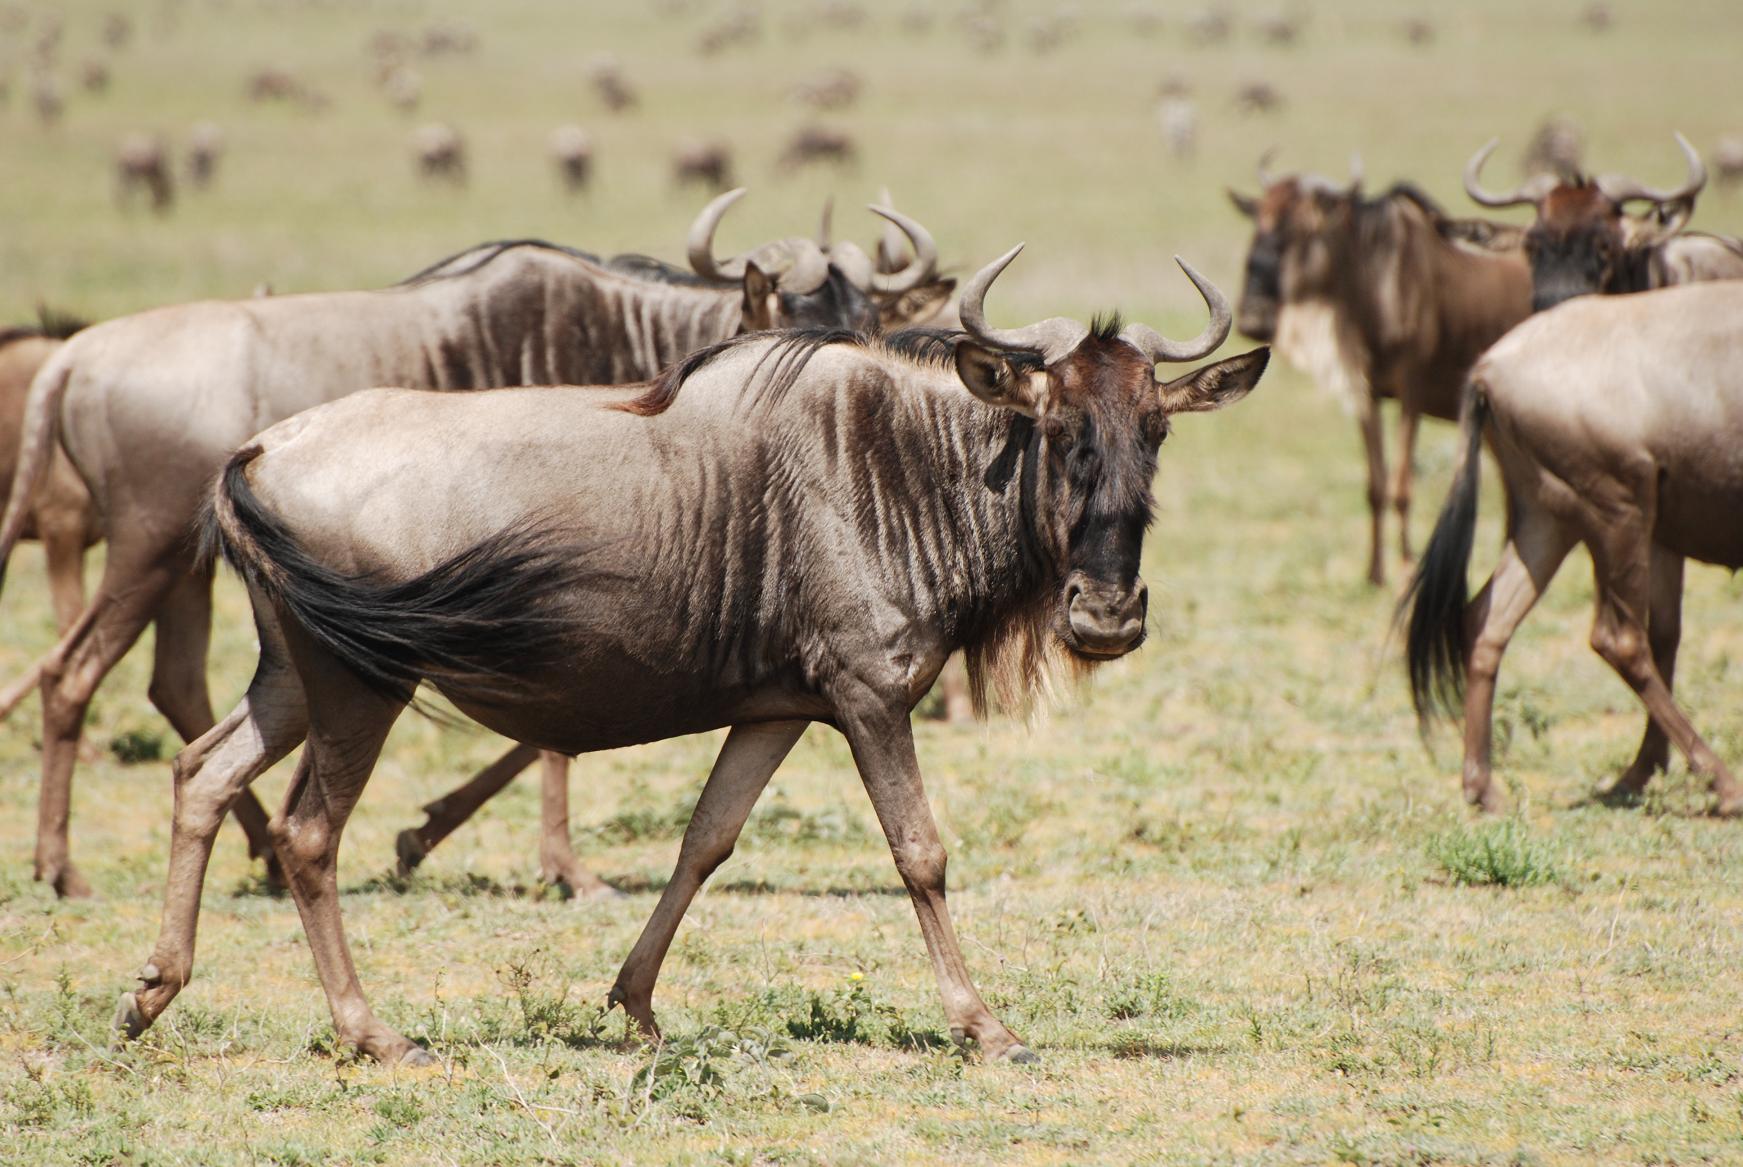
{"x": 1101, "y": 417}
{"x": 1574, "y": 247}
{"x": 1291, "y": 255}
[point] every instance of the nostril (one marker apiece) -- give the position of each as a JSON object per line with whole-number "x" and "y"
{"x": 1073, "y": 591}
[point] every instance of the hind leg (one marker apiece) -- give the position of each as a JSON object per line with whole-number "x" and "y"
{"x": 557, "y": 862}
{"x": 1403, "y": 476}
{"x": 209, "y": 775}
{"x": 347, "y": 725}
{"x": 1374, "y": 445}
{"x": 125, "y": 603}
{"x": 455, "y": 807}
{"x": 1664, "y": 632}
{"x": 744, "y": 767}
{"x": 179, "y": 690}
{"x": 65, "y": 552}
{"x": 1534, "y": 550}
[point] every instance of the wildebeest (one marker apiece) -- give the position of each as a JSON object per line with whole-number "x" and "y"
{"x": 205, "y": 148}
{"x": 831, "y": 89}
{"x": 1728, "y": 161}
{"x": 440, "y": 152}
{"x": 1616, "y": 421}
{"x": 1177, "y": 118}
{"x": 45, "y": 95}
{"x": 142, "y": 164}
{"x": 94, "y": 76}
{"x": 614, "y": 89}
{"x": 1556, "y": 147}
{"x": 779, "y": 530}
{"x": 818, "y": 144}
{"x": 61, "y": 515}
{"x": 572, "y": 151}
{"x": 1258, "y": 97}
{"x": 708, "y": 162}
{"x": 1583, "y": 240}
{"x": 404, "y": 87}
{"x": 149, "y": 405}
{"x": 1374, "y": 299}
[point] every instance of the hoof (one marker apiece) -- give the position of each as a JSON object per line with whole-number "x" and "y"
{"x": 68, "y": 884}
{"x": 1621, "y": 794}
{"x": 1021, "y": 1055}
{"x": 419, "y": 1058}
{"x": 580, "y": 884}
{"x": 130, "y": 1021}
{"x": 410, "y": 849}
{"x": 1730, "y": 808}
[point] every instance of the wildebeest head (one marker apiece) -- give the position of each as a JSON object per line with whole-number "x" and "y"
{"x": 1583, "y": 241}
{"x": 1291, "y": 257}
{"x": 1101, "y": 415}
{"x": 801, "y": 283}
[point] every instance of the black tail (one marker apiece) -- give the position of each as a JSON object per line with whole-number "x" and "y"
{"x": 478, "y": 620}
{"x": 1435, "y": 647}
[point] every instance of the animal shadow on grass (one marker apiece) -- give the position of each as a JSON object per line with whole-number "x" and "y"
{"x": 1136, "y": 1047}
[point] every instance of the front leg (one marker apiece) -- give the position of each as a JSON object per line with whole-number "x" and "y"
{"x": 883, "y": 748}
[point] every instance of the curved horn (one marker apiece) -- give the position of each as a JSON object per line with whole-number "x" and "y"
{"x": 1264, "y": 168}
{"x": 823, "y": 228}
{"x": 701, "y": 241}
{"x": 1531, "y": 191}
{"x": 920, "y": 269}
{"x": 1159, "y": 348}
{"x": 853, "y": 262}
{"x": 1053, "y": 339}
{"x": 798, "y": 265}
{"x": 1623, "y": 190}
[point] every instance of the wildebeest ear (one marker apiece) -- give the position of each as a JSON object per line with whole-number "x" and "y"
{"x": 1245, "y": 204}
{"x": 1215, "y": 386}
{"x": 990, "y": 377}
{"x": 759, "y": 298}
{"x": 916, "y": 306}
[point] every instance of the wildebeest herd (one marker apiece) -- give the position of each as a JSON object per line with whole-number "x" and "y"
{"x": 600, "y": 502}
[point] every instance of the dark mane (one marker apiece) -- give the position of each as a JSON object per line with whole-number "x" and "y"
{"x": 936, "y": 347}
{"x": 1410, "y": 192}
{"x": 50, "y": 325}
{"x": 791, "y": 351}
{"x": 646, "y": 267}
{"x": 1105, "y": 326}
{"x": 485, "y": 253}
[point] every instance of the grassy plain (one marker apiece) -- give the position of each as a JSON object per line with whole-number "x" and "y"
{"x": 1224, "y": 890}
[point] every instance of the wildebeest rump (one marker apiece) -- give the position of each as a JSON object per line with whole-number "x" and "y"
{"x": 778, "y": 530}
{"x": 1616, "y": 422}
{"x": 1375, "y": 296}
{"x": 149, "y": 406}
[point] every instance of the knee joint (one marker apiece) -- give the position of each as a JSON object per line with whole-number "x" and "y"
{"x": 922, "y": 864}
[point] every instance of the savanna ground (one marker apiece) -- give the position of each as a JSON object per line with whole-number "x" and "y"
{"x": 1224, "y": 891}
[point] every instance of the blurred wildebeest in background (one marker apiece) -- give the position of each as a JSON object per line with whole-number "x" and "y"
{"x": 1177, "y": 117}
{"x": 142, "y": 164}
{"x": 94, "y": 77}
{"x": 205, "y": 148}
{"x": 830, "y": 89}
{"x": 1282, "y": 28}
{"x": 440, "y": 152}
{"x": 919, "y": 20}
{"x": 45, "y": 95}
{"x": 1050, "y": 33}
{"x": 444, "y": 40}
{"x": 273, "y": 85}
{"x": 572, "y": 151}
{"x": 1584, "y": 241}
{"x": 840, "y": 14}
{"x": 1728, "y": 161}
{"x": 1211, "y": 26}
{"x": 707, "y": 162}
{"x": 61, "y": 516}
{"x": 614, "y": 89}
{"x": 403, "y": 87}
{"x": 1374, "y": 299}
{"x": 1598, "y": 17}
{"x": 1419, "y": 31}
{"x": 1616, "y": 421}
{"x": 117, "y": 30}
{"x": 1557, "y": 147}
{"x": 1258, "y": 97}
{"x": 739, "y": 27}
{"x": 818, "y": 143}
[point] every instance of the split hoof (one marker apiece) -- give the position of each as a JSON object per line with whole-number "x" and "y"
{"x": 419, "y": 1058}
{"x": 68, "y": 884}
{"x": 130, "y": 1020}
{"x": 1621, "y": 795}
{"x": 1021, "y": 1055}
{"x": 580, "y": 884}
{"x": 409, "y": 848}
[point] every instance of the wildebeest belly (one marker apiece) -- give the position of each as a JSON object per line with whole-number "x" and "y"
{"x": 1701, "y": 519}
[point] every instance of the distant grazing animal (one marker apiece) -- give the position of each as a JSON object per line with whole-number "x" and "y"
{"x": 61, "y": 516}
{"x": 45, "y": 95}
{"x": 741, "y": 27}
{"x": 613, "y": 87}
{"x": 832, "y": 89}
{"x": 117, "y": 30}
{"x": 1258, "y": 97}
{"x": 572, "y": 151}
{"x": 1616, "y": 421}
{"x": 404, "y": 88}
{"x": 1728, "y": 161}
{"x": 198, "y": 379}
{"x": 450, "y": 40}
{"x": 777, "y": 531}
{"x": 1419, "y": 31}
{"x": 440, "y": 152}
{"x": 274, "y": 85}
{"x": 813, "y": 144}
{"x": 1210, "y": 27}
{"x": 94, "y": 77}
{"x": 1598, "y": 17}
{"x": 142, "y": 164}
{"x": 205, "y": 148}
{"x": 1584, "y": 242}
{"x": 1177, "y": 118}
{"x": 705, "y": 162}
{"x": 1557, "y": 148}
{"x": 1280, "y": 28}
{"x": 1376, "y": 299}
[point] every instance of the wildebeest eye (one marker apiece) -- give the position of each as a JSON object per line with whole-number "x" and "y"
{"x": 1156, "y": 427}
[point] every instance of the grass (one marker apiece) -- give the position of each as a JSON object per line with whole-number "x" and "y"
{"x": 1225, "y": 891}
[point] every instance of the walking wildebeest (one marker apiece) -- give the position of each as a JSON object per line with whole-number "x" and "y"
{"x": 706, "y": 162}
{"x": 61, "y": 516}
{"x": 818, "y": 144}
{"x": 1616, "y": 422}
{"x": 205, "y": 147}
{"x": 1728, "y": 161}
{"x": 1374, "y": 298}
{"x": 1584, "y": 242}
{"x": 776, "y": 531}
{"x": 149, "y": 405}
{"x": 142, "y": 162}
